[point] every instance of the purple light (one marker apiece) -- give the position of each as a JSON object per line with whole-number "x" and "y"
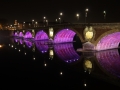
{"x": 41, "y": 46}
{"x": 109, "y": 42}
{"x": 28, "y": 35}
{"x": 16, "y": 34}
{"x": 66, "y": 52}
{"x": 21, "y": 34}
{"x": 21, "y": 41}
{"x": 65, "y": 35}
{"x": 110, "y": 61}
{"x": 28, "y": 43}
{"x": 16, "y": 40}
{"x": 41, "y": 35}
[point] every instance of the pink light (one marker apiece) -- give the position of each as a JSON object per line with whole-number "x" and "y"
{"x": 41, "y": 46}
{"x": 109, "y": 42}
{"x": 110, "y": 61}
{"x": 66, "y": 52}
{"x": 21, "y": 34}
{"x": 28, "y": 34}
{"x": 65, "y": 35}
{"x": 41, "y": 35}
{"x": 16, "y": 34}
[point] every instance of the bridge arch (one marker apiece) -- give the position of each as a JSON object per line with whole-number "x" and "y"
{"x": 41, "y": 35}
{"x": 21, "y": 34}
{"x": 108, "y": 40}
{"x": 15, "y": 34}
{"x": 66, "y": 35}
{"x": 28, "y": 34}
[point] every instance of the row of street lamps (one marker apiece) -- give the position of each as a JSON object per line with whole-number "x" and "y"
{"x": 77, "y": 15}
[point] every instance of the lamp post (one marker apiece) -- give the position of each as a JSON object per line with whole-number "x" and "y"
{"x": 77, "y": 15}
{"x": 61, "y": 14}
{"x": 104, "y": 12}
{"x": 86, "y": 14}
{"x": 59, "y": 19}
{"x": 44, "y": 20}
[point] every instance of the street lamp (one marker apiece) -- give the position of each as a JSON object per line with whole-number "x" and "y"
{"x": 33, "y": 22}
{"x": 44, "y": 20}
{"x": 104, "y": 12}
{"x": 86, "y": 12}
{"x": 77, "y": 15}
{"x": 61, "y": 14}
{"x": 59, "y": 19}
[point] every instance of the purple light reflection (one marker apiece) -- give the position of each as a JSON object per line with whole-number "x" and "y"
{"x": 16, "y": 34}
{"x": 41, "y": 46}
{"x": 110, "y": 61}
{"x": 41, "y": 35}
{"x": 28, "y": 43}
{"x": 21, "y": 34}
{"x": 21, "y": 41}
{"x": 15, "y": 39}
{"x": 28, "y": 34}
{"x": 65, "y": 35}
{"x": 66, "y": 52}
{"x": 109, "y": 42}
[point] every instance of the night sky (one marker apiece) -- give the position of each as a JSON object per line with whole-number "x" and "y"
{"x": 26, "y": 10}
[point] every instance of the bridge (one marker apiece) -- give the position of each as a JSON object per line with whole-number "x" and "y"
{"x": 94, "y": 36}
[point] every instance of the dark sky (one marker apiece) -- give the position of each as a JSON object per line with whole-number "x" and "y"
{"x": 26, "y": 10}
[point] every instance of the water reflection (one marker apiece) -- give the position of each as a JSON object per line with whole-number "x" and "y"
{"x": 66, "y": 52}
{"x": 21, "y": 41}
{"x": 41, "y": 46}
{"x": 109, "y": 61}
{"x": 15, "y": 39}
{"x": 28, "y": 43}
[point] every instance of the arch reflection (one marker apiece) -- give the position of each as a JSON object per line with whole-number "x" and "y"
{"x": 110, "y": 61}
{"x": 66, "y": 52}
{"x": 21, "y": 41}
{"x": 28, "y": 43}
{"x": 16, "y": 40}
{"x": 41, "y": 46}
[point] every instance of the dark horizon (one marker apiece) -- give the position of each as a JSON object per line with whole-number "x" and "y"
{"x": 28, "y": 10}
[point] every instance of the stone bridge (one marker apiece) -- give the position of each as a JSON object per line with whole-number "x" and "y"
{"x": 94, "y": 36}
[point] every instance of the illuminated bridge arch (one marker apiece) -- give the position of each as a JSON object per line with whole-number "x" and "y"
{"x": 16, "y": 34}
{"x": 21, "y": 34}
{"x": 41, "y": 35}
{"x": 108, "y": 40}
{"x": 66, "y": 52}
{"x": 28, "y": 34}
{"x": 109, "y": 61}
{"x": 64, "y": 35}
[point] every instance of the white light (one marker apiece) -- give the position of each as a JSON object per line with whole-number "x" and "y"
{"x": 59, "y": 18}
{"x": 19, "y": 50}
{"x": 12, "y": 46}
{"x": 61, "y": 73}
{"x": 44, "y": 17}
{"x": 56, "y": 20}
{"x": 9, "y": 44}
{"x": 15, "y": 48}
{"x": 61, "y": 14}
{"x": 85, "y": 84}
{"x": 25, "y": 53}
{"x": 77, "y": 15}
{"x": 104, "y": 12}
{"x": 34, "y": 58}
{"x": 45, "y": 64}
{"x": 33, "y": 20}
{"x": 86, "y": 9}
